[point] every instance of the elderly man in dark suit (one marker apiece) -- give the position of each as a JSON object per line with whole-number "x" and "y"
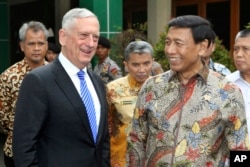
{"x": 52, "y": 127}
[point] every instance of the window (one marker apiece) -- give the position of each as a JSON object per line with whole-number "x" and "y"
{"x": 218, "y": 12}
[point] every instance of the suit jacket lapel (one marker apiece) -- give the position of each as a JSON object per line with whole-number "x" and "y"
{"x": 67, "y": 86}
{"x": 100, "y": 92}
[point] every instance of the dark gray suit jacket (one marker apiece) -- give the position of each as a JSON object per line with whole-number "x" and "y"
{"x": 51, "y": 127}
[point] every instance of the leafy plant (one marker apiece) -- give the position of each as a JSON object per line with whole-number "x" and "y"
{"x": 222, "y": 55}
{"x": 159, "y": 53}
{"x": 247, "y": 26}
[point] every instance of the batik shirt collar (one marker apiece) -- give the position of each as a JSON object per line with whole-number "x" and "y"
{"x": 202, "y": 73}
{"x": 132, "y": 83}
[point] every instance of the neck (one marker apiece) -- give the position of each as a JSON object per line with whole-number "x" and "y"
{"x": 101, "y": 60}
{"x": 33, "y": 65}
{"x": 184, "y": 77}
{"x": 246, "y": 77}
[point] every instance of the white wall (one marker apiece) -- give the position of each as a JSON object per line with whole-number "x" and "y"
{"x": 159, "y": 13}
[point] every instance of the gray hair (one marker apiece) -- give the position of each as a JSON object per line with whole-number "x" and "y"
{"x": 35, "y": 26}
{"x": 69, "y": 18}
{"x": 243, "y": 34}
{"x": 139, "y": 47}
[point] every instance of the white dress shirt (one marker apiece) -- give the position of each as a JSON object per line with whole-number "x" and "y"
{"x": 72, "y": 71}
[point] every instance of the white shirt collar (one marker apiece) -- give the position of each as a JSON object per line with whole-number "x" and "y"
{"x": 70, "y": 68}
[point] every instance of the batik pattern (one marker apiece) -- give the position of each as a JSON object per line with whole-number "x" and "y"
{"x": 196, "y": 124}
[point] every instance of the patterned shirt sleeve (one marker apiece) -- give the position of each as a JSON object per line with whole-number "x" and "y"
{"x": 136, "y": 154}
{"x": 237, "y": 135}
{"x": 6, "y": 103}
{"x": 2, "y": 102}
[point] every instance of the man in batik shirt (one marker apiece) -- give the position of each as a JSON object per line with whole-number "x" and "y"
{"x": 189, "y": 115}
{"x": 33, "y": 43}
{"x": 122, "y": 94}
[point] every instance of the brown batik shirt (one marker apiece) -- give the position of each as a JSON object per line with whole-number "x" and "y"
{"x": 10, "y": 82}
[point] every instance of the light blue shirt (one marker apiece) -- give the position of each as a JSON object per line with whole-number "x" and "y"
{"x": 220, "y": 68}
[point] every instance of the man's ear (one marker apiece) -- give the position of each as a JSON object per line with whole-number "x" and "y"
{"x": 203, "y": 47}
{"x": 125, "y": 66}
{"x": 125, "y": 63}
{"x": 21, "y": 44}
{"x": 62, "y": 37}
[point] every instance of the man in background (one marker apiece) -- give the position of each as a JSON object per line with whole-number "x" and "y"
{"x": 207, "y": 57}
{"x": 106, "y": 68}
{"x": 52, "y": 52}
{"x": 241, "y": 77}
{"x": 33, "y": 43}
{"x": 122, "y": 95}
{"x": 156, "y": 67}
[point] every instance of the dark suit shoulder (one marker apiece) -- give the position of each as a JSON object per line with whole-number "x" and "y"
{"x": 53, "y": 67}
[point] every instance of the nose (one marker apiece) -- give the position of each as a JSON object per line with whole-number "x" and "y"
{"x": 238, "y": 53}
{"x": 141, "y": 68}
{"x": 170, "y": 49}
{"x": 91, "y": 40}
{"x": 37, "y": 46}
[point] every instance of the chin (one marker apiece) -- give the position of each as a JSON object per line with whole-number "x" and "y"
{"x": 141, "y": 80}
{"x": 174, "y": 69}
{"x": 37, "y": 60}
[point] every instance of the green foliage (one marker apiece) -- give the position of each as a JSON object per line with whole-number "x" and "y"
{"x": 159, "y": 53}
{"x": 141, "y": 27}
{"x": 220, "y": 55}
{"x": 247, "y": 26}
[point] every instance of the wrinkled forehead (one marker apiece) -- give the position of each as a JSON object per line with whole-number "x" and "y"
{"x": 34, "y": 35}
{"x": 242, "y": 41}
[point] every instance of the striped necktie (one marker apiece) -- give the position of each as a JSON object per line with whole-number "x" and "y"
{"x": 88, "y": 102}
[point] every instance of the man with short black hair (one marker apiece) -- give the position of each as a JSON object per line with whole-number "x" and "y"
{"x": 106, "y": 68}
{"x": 188, "y": 115}
{"x": 52, "y": 52}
